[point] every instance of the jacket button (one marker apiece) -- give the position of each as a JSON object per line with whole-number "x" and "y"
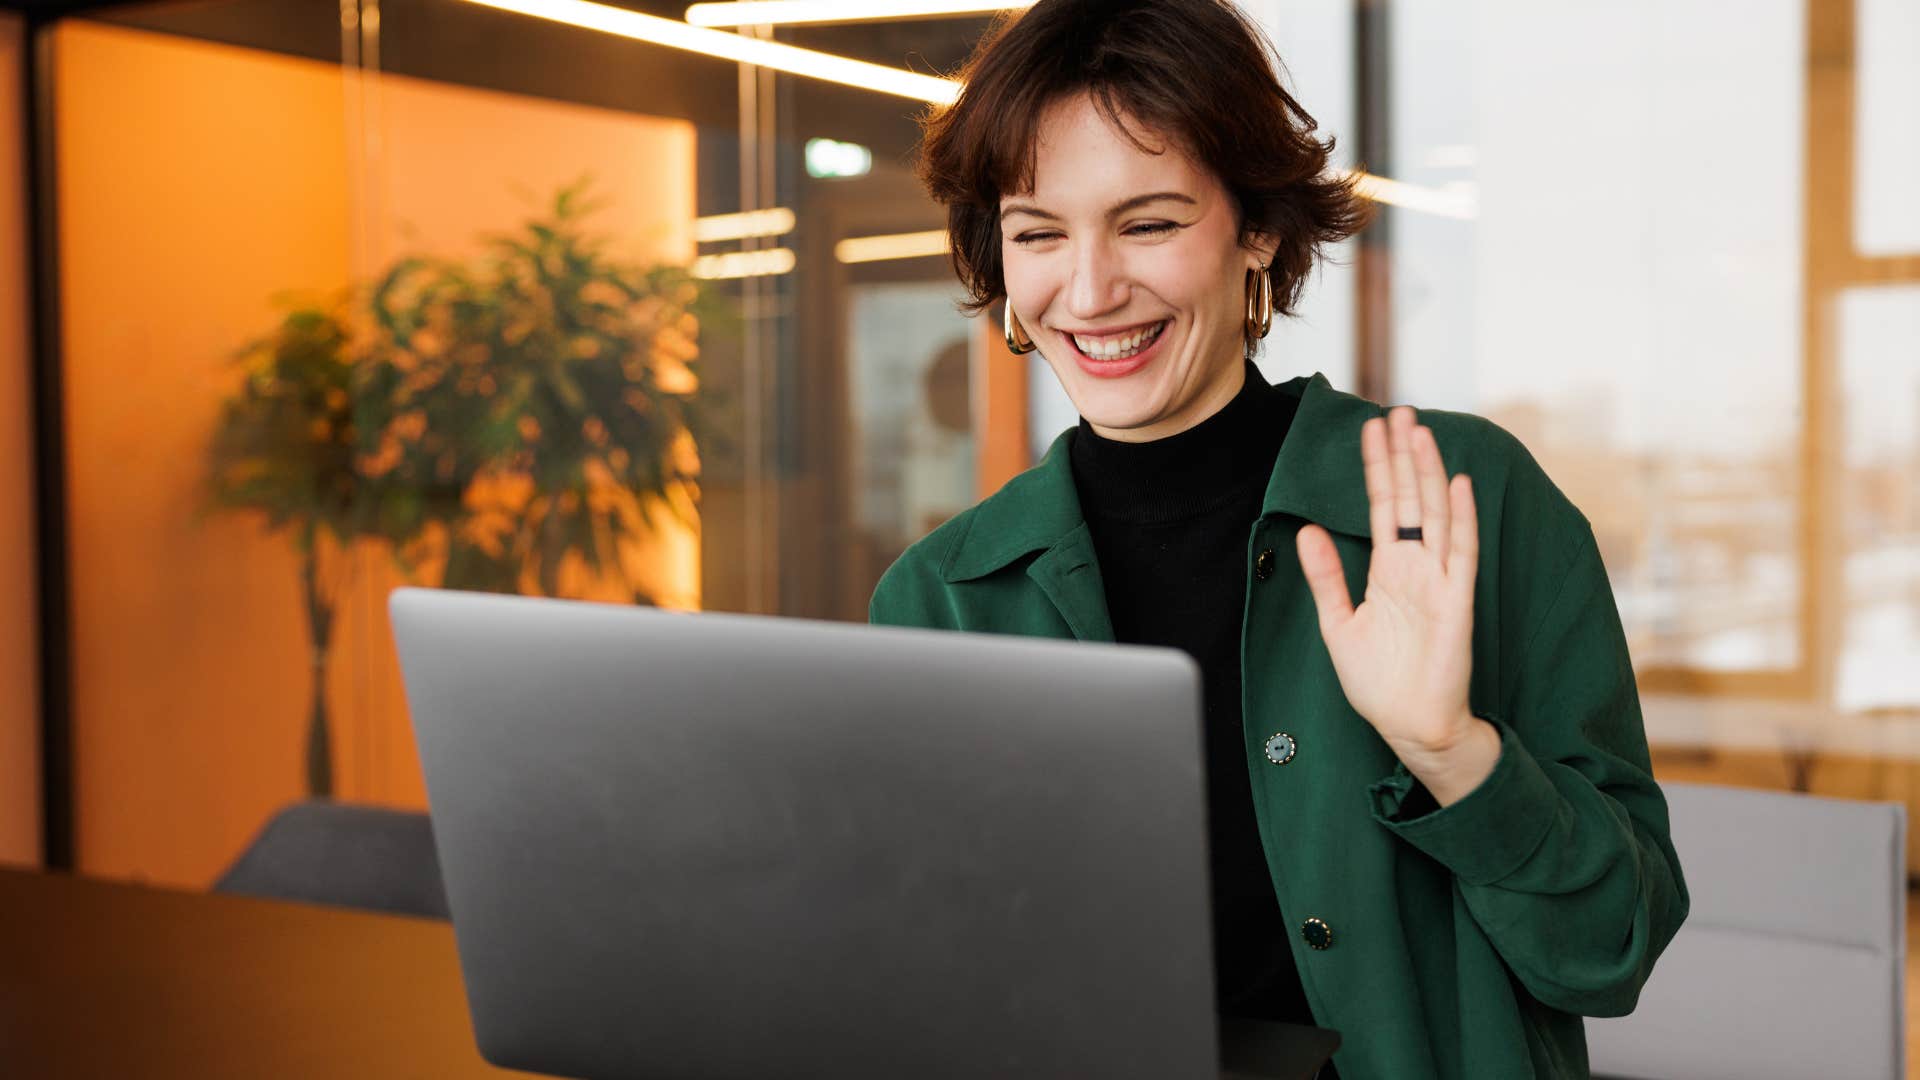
{"x": 1280, "y": 748}
{"x": 1263, "y": 565}
{"x": 1318, "y": 933}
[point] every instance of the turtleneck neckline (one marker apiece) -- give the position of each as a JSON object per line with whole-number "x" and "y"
{"x": 1188, "y": 473}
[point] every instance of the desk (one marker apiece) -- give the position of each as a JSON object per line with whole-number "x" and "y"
{"x": 100, "y": 979}
{"x": 108, "y": 980}
{"x": 1800, "y": 733}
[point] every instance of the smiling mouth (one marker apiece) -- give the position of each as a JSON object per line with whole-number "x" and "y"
{"x": 1119, "y": 346}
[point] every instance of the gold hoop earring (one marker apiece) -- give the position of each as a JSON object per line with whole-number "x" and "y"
{"x": 1259, "y": 304}
{"x": 1018, "y": 343}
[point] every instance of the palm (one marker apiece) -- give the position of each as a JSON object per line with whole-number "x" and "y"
{"x": 1404, "y": 655}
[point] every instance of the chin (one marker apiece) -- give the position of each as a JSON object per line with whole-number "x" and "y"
{"x": 1116, "y": 406}
{"x": 1138, "y": 400}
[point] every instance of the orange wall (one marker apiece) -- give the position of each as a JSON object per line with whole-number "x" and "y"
{"x": 196, "y": 181}
{"x": 19, "y": 648}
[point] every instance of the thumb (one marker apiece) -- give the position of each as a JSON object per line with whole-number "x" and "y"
{"x": 1320, "y": 561}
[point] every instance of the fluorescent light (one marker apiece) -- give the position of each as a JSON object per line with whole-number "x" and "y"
{"x": 787, "y": 12}
{"x": 771, "y": 54}
{"x": 911, "y": 245}
{"x": 775, "y": 222}
{"x": 1456, "y": 200}
{"x": 828, "y": 158}
{"x": 739, "y": 264}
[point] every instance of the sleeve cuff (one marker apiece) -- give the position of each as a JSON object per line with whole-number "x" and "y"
{"x": 1489, "y": 833}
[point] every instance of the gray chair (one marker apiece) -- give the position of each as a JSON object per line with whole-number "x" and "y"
{"x": 1792, "y": 961}
{"x": 323, "y": 852}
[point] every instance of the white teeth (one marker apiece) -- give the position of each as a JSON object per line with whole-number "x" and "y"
{"x": 1115, "y": 348}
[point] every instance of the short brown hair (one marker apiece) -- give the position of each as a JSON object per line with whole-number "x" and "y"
{"x": 1197, "y": 71}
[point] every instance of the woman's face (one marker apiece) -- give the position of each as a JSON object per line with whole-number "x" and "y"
{"x": 1125, "y": 268}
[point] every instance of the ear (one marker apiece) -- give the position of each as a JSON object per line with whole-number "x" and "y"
{"x": 1260, "y": 247}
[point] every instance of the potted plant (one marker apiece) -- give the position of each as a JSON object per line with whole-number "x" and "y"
{"x": 542, "y": 402}
{"x": 492, "y": 421}
{"x": 285, "y": 445}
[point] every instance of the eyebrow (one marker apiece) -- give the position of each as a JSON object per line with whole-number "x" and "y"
{"x": 1116, "y": 210}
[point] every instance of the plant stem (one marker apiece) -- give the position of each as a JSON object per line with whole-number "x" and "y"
{"x": 320, "y": 629}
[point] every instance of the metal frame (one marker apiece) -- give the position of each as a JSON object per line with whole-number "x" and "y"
{"x": 1373, "y": 136}
{"x": 49, "y": 449}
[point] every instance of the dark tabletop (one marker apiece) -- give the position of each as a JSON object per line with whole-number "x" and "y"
{"x": 109, "y": 980}
{"x": 101, "y": 979}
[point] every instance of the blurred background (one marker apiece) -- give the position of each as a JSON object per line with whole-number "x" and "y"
{"x": 302, "y": 300}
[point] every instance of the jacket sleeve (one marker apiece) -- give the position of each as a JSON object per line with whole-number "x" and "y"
{"x": 1562, "y": 854}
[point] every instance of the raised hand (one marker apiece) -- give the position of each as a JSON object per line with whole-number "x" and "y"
{"x": 1405, "y": 654}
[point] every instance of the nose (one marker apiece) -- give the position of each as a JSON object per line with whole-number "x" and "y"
{"x": 1099, "y": 283}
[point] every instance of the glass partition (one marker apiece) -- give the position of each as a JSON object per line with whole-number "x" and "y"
{"x": 426, "y": 291}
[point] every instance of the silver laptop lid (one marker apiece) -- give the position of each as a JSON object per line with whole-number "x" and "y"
{"x": 731, "y": 846}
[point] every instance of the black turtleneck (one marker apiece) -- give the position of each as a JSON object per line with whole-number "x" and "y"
{"x": 1170, "y": 521}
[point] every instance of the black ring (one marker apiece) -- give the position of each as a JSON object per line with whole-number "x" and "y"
{"x": 1410, "y": 532}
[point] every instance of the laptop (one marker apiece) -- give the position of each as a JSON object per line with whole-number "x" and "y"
{"x": 726, "y": 847}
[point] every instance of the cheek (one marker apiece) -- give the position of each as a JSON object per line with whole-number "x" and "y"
{"x": 1024, "y": 284}
{"x": 1192, "y": 274}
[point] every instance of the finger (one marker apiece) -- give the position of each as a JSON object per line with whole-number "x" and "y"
{"x": 1406, "y": 485}
{"x": 1373, "y": 454}
{"x": 1320, "y": 562}
{"x": 1434, "y": 515}
{"x": 1464, "y": 562}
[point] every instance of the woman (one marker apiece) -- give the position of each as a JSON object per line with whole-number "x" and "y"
{"x": 1433, "y": 824}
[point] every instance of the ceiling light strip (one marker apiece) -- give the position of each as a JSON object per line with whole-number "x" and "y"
{"x": 913, "y": 245}
{"x": 1455, "y": 201}
{"x": 770, "y": 54}
{"x": 777, "y": 221}
{"x": 790, "y": 12}
{"x": 744, "y": 264}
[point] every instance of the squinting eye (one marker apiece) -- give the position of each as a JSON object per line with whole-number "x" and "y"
{"x": 1155, "y": 228}
{"x": 1029, "y": 238}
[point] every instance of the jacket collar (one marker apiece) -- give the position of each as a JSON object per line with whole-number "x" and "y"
{"x": 1318, "y": 477}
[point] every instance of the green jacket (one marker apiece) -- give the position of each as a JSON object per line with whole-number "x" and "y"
{"x": 1466, "y": 941}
